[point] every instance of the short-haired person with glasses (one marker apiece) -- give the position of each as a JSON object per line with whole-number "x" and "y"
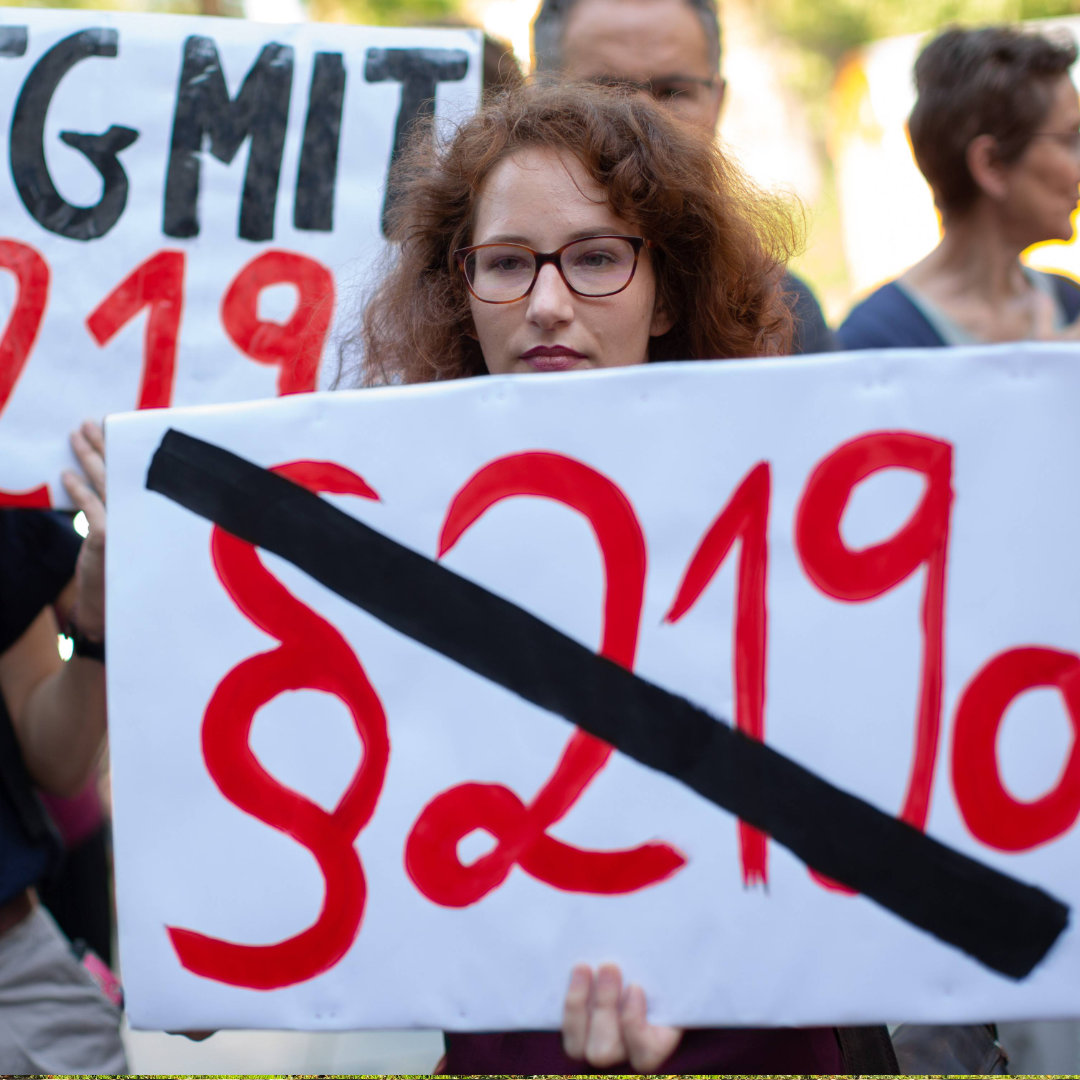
{"x": 996, "y": 132}
{"x": 568, "y": 228}
{"x": 669, "y": 50}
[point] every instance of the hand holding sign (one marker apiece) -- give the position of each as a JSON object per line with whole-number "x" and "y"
{"x": 87, "y": 492}
{"x": 606, "y": 1025}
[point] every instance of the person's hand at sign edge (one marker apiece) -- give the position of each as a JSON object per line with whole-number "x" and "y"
{"x": 605, "y": 1024}
{"x": 87, "y": 492}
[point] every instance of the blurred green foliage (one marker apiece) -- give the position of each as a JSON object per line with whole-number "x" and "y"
{"x": 364, "y": 12}
{"x": 832, "y": 29}
{"x": 166, "y": 7}
{"x": 382, "y": 12}
{"x": 813, "y": 38}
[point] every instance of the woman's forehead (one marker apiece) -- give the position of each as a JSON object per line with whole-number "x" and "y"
{"x": 541, "y": 190}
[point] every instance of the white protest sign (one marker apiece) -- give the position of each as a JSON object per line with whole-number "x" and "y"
{"x": 346, "y": 788}
{"x": 189, "y": 203}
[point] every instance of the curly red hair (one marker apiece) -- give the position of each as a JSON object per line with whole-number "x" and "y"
{"x": 718, "y": 246}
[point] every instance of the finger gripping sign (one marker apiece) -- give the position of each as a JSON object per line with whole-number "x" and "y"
{"x": 185, "y": 198}
{"x": 560, "y": 694}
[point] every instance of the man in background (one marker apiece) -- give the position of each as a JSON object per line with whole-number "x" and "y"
{"x": 671, "y": 50}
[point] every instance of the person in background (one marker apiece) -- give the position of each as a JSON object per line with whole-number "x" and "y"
{"x": 499, "y": 67}
{"x": 669, "y": 49}
{"x": 54, "y": 1017}
{"x": 568, "y": 228}
{"x": 79, "y": 894}
{"x": 996, "y": 132}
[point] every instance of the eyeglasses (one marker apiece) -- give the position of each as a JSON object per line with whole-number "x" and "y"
{"x": 671, "y": 90}
{"x": 1068, "y": 140}
{"x": 593, "y": 266}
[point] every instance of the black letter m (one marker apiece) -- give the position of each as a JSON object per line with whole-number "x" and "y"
{"x": 203, "y": 106}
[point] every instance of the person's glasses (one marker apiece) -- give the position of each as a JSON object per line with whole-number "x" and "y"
{"x": 674, "y": 90}
{"x": 593, "y": 266}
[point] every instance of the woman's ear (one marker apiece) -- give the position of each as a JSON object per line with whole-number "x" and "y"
{"x": 662, "y": 322}
{"x": 987, "y": 169}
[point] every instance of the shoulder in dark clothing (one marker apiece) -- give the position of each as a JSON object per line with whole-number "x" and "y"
{"x": 887, "y": 319}
{"x": 702, "y": 1051}
{"x": 812, "y": 333}
{"x": 1068, "y": 293}
{"x": 38, "y": 550}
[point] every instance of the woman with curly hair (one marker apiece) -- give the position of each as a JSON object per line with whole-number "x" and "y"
{"x": 564, "y": 229}
{"x": 536, "y": 169}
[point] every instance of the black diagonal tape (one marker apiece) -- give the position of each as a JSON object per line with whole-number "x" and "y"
{"x": 1004, "y": 923}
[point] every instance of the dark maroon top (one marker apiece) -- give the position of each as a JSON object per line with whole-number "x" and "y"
{"x": 805, "y": 1051}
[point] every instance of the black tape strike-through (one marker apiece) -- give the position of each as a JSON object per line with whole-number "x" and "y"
{"x": 1005, "y": 924}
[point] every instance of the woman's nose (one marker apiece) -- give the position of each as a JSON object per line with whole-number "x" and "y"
{"x": 551, "y": 302}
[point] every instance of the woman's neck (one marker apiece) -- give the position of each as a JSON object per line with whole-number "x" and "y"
{"x": 975, "y": 276}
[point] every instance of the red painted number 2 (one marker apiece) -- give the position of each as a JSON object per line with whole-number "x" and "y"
{"x": 521, "y": 830}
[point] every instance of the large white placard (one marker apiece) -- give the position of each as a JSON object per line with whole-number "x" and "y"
{"x": 349, "y": 795}
{"x": 190, "y": 203}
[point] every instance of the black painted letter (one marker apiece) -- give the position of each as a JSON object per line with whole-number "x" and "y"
{"x": 13, "y": 40}
{"x": 203, "y": 106}
{"x": 317, "y": 174}
{"x": 28, "y": 167}
{"x": 419, "y": 71}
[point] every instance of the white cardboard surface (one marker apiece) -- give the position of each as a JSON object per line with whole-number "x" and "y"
{"x": 841, "y": 688}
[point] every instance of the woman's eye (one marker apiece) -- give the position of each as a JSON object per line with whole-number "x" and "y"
{"x": 505, "y": 264}
{"x": 595, "y": 260}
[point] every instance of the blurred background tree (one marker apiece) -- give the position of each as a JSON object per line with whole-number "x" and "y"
{"x": 819, "y": 35}
{"x": 833, "y": 29}
{"x": 165, "y": 7}
{"x": 382, "y": 12}
{"x": 362, "y": 12}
